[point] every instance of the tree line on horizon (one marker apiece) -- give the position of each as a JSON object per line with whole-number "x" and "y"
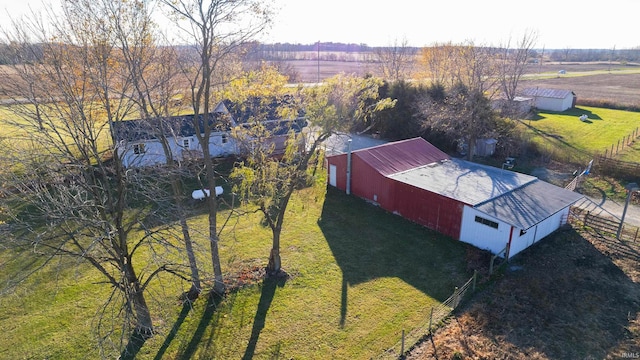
{"x": 336, "y": 51}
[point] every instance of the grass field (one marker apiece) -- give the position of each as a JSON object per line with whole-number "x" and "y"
{"x": 565, "y": 138}
{"x": 358, "y": 277}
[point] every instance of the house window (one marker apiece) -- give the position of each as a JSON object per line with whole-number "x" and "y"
{"x": 185, "y": 143}
{"x": 139, "y": 149}
{"x": 487, "y": 222}
{"x": 224, "y": 138}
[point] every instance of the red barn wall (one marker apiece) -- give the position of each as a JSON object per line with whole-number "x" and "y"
{"x": 366, "y": 182}
{"x": 369, "y": 184}
{"x": 340, "y": 162}
{"x": 429, "y": 209}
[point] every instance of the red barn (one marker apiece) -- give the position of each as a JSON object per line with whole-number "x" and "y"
{"x": 490, "y": 208}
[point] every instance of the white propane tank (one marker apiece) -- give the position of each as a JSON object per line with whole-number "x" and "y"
{"x": 200, "y": 193}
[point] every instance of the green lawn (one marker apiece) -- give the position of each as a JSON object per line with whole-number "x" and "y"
{"x": 616, "y": 69}
{"x": 359, "y": 276}
{"x": 566, "y": 138}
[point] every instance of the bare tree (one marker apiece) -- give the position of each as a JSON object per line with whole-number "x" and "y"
{"x": 466, "y": 63}
{"x": 513, "y": 63}
{"x": 468, "y": 75}
{"x": 66, "y": 193}
{"x": 460, "y": 112}
{"x": 78, "y": 203}
{"x": 396, "y": 60}
{"x": 268, "y": 181}
{"x": 154, "y": 73}
{"x": 219, "y": 28}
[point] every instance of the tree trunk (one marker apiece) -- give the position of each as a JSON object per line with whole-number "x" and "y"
{"x": 196, "y": 287}
{"x": 144, "y": 324}
{"x": 218, "y": 286}
{"x": 275, "y": 263}
{"x": 471, "y": 149}
{"x": 135, "y": 296}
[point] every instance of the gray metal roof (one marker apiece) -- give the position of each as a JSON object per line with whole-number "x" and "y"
{"x": 338, "y": 143}
{"x": 548, "y": 93}
{"x": 518, "y": 199}
{"x": 464, "y": 181}
{"x": 529, "y": 205}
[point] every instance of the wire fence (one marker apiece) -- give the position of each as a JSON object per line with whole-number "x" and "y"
{"x": 621, "y": 144}
{"x": 435, "y": 317}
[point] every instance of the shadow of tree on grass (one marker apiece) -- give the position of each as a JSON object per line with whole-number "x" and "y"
{"x": 269, "y": 287}
{"x": 213, "y": 300}
{"x": 186, "y": 307}
{"x": 370, "y": 243}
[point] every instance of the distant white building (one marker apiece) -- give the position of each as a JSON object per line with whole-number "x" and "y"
{"x": 551, "y": 99}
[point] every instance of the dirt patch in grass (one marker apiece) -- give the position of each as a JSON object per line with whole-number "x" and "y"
{"x": 575, "y": 295}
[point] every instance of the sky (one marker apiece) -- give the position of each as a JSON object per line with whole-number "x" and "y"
{"x": 558, "y": 24}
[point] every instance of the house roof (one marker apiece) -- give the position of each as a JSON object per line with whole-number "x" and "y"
{"x": 263, "y": 109}
{"x": 548, "y": 93}
{"x": 464, "y": 181}
{"x": 180, "y": 126}
{"x": 280, "y": 127}
{"x": 529, "y": 205}
{"x": 400, "y": 156}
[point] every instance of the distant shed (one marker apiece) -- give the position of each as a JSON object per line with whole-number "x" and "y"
{"x": 551, "y": 99}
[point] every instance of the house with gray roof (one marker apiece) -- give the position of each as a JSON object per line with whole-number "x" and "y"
{"x": 142, "y": 142}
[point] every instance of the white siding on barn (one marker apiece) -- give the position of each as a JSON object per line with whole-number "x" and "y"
{"x": 495, "y": 240}
{"x": 483, "y": 236}
{"x": 521, "y": 242}
{"x": 153, "y": 154}
{"x": 551, "y": 224}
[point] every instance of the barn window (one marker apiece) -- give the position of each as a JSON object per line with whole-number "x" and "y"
{"x": 185, "y": 143}
{"x": 487, "y": 222}
{"x": 139, "y": 149}
{"x": 224, "y": 138}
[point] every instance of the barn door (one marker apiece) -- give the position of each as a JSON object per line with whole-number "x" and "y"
{"x": 332, "y": 175}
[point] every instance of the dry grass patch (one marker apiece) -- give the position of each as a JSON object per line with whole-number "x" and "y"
{"x": 573, "y": 296}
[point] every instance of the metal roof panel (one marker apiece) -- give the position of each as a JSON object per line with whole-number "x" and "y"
{"x": 530, "y": 204}
{"x": 464, "y": 181}
{"x": 400, "y": 156}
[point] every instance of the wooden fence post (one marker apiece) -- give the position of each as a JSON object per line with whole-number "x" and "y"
{"x": 475, "y": 274}
{"x": 430, "y": 319}
{"x": 491, "y": 265}
{"x": 402, "y": 346}
{"x": 586, "y": 217}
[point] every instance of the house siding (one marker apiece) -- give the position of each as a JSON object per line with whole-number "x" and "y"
{"x": 154, "y": 152}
